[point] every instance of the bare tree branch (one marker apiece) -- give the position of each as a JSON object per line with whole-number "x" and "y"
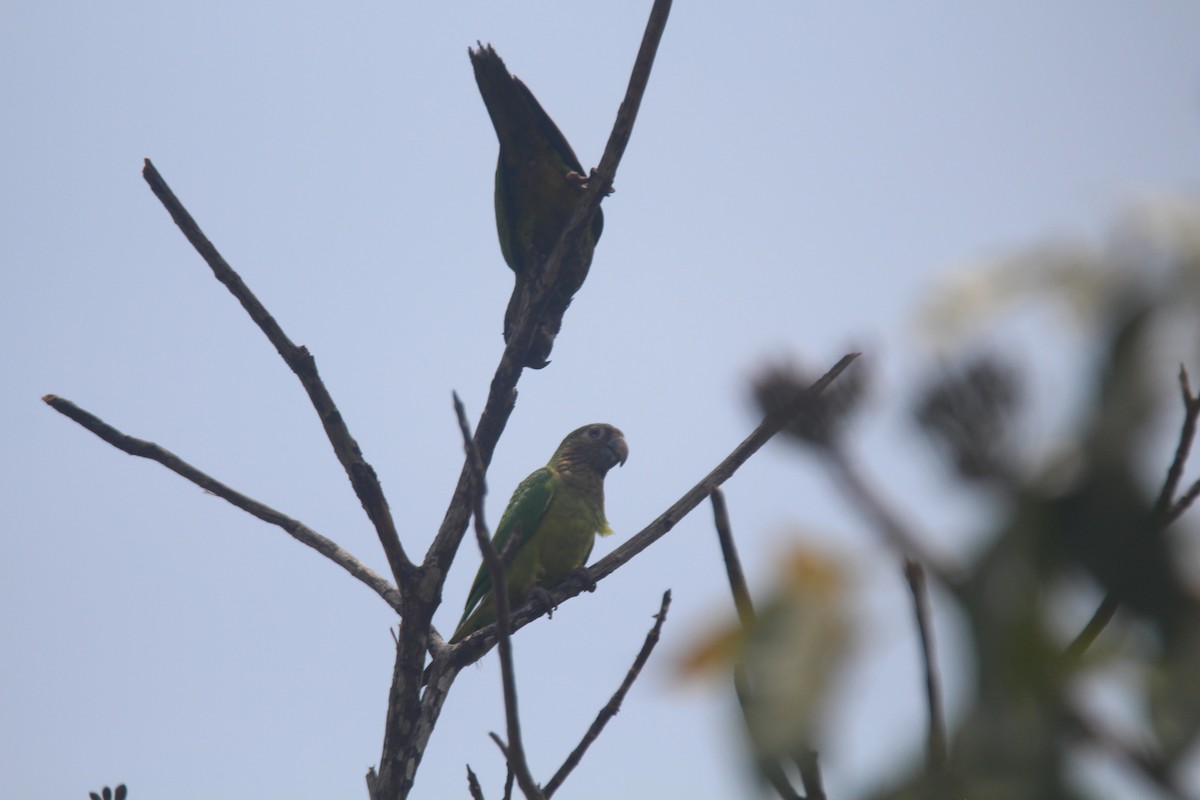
{"x": 1187, "y": 433}
{"x": 299, "y": 531}
{"x": 1092, "y": 630}
{"x": 771, "y": 768}
{"x": 530, "y": 788}
{"x": 810, "y": 774}
{"x": 361, "y": 474}
{"x": 899, "y": 536}
{"x": 614, "y": 704}
{"x": 473, "y": 785}
{"x": 733, "y": 564}
{"x": 478, "y": 471}
{"x": 935, "y": 755}
{"x": 515, "y": 749}
{"x": 1166, "y": 511}
{"x": 372, "y": 788}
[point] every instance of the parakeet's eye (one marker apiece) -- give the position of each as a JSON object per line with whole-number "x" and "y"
{"x": 594, "y": 433}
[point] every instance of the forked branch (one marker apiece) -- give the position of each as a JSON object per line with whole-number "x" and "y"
{"x": 298, "y": 530}
{"x": 361, "y": 474}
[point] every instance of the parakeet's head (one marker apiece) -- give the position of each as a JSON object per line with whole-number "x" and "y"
{"x": 598, "y": 447}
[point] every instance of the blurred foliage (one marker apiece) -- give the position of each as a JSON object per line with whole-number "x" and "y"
{"x": 822, "y": 417}
{"x": 790, "y": 653}
{"x": 109, "y": 794}
{"x": 1087, "y": 511}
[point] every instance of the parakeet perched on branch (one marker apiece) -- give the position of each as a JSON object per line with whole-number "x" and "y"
{"x": 539, "y": 184}
{"x": 554, "y": 516}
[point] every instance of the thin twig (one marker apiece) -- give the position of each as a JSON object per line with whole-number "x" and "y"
{"x": 1166, "y": 511}
{"x": 810, "y": 774}
{"x": 614, "y": 704}
{"x": 474, "y": 646}
{"x": 1187, "y": 433}
{"x": 770, "y": 767}
{"x": 1094, "y": 627}
{"x": 478, "y": 470}
{"x": 531, "y": 789}
{"x": 473, "y": 785}
{"x": 372, "y": 784}
{"x": 298, "y": 530}
{"x": 1184, "y": 502}
{"x": 733, "y": 564}
{"x": 936, "y": 744}
{"x": 515, "y": 750}
{"x": 361, "y": 474}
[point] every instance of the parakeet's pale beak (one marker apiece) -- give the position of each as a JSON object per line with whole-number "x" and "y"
{"x": 619, "y": 449}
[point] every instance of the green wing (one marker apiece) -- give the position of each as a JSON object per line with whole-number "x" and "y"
{"x": 533, "y": 198}
{"x": 525, "y": 510}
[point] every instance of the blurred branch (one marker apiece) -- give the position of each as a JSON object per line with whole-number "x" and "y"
{"x": 1100, "y": 619}
{"x": 772, "y": 423}
{"x": 1151, "y": 766}
{"x": 614, "y": 704}
{"x": 771, "y": 768}
{"x": 514, "y": 751}
{"x": 896, "y": 533}
{"x": 1187, "y": 433}
{"x": 864, "y": 499}
{"x": 361, "y": 474}
{"x": 1191, "y": 412}
{"x": 299, "y": 531}
{"x": 1166, "y": 511}
{"x": 810, "y": 776}
{"x": 733, "y": 564}
{"x": 914, "y": 573}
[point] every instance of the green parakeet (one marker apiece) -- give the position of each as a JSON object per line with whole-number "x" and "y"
{"x": 555, "y": 515}
{"x": 539, "y": 184}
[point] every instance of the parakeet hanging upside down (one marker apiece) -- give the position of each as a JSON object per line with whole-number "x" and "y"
{"x": 539, "y": 184}
{"x": 555, "y": 515}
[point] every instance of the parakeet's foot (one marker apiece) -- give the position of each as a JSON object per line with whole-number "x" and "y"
{"x": 584, "y": 577}
{"x": 582, "y": 181}
{"x": 543, "y": 597}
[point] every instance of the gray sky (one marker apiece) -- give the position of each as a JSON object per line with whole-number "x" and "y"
{"x": 800, "y": 176}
